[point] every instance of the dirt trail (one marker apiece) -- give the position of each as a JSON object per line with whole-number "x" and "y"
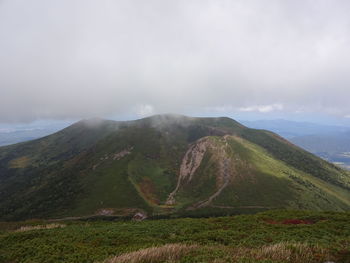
{"x": 243, "y": 206}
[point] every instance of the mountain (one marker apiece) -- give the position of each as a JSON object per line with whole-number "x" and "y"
{"x": 164, "y": 164}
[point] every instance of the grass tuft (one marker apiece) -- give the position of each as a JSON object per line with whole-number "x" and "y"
{"x": 168, "y": 252}
{"x": 48, "y": 226}
{"x": 291, "y": 252}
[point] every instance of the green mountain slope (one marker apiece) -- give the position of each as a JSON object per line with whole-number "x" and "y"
{"x": 164, "y": 164}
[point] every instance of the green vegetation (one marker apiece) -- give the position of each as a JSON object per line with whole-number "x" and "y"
{"x": 274, "y": 236}
{"x": 152, "y": 181}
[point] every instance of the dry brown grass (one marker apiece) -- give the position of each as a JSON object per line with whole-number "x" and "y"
{"x": 290, "y": 252}
{"x": 48, "y": 226}
{"x": 20, "y": 162}
{"x": 168, "y": 252}
{"x": 280, "y": 252}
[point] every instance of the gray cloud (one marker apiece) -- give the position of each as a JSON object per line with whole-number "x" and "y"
{"x": 74, "y": 59}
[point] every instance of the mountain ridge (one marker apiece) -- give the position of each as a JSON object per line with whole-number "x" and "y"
{"x": 99, "y": 167}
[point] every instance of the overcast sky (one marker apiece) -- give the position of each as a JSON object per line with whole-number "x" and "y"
{"x": 77, "y": 59}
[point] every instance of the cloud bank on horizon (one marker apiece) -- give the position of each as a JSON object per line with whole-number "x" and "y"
{"x": 81, "y": 58}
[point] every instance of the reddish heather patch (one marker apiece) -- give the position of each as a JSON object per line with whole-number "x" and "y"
{"x": 290, "y": 222}
{"x": 297, "y": 222}
{"x": 148, "y": 190}
{"x": 270, "y": 221}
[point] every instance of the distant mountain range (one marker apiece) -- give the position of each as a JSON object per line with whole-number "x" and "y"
{"x": 11, "y": 137}
{"x": 291, "y": 129}
{"x": 10, "y": 134}
{"x": 333, "y": 147}
{"x": 164, "y": 165}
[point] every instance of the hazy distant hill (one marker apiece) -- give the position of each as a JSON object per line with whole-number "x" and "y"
{"x": 164, "y": 164}
{"x": 11, "y": 137}
{"x": 291, "y": 129}
{"x": 10, "y": 134}
{"x": 333, "y": 147}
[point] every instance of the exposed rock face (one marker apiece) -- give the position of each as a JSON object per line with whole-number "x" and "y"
{"x": 116, "y": 156}
{"x": 189, "y": 165}
{"x": 119, "y": 155}
{"x": 105, "y": 212}
{"x": 225, "y": 173}
{"x": 139, "y": 216}
{"x": 192, "y": 160}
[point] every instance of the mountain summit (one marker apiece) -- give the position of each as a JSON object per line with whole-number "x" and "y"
{"x": 164, "y": 164}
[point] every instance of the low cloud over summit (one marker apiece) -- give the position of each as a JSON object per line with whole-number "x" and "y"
{"x": 75, "y": 59}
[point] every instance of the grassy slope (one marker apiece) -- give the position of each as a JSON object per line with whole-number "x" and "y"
{"x": 276, "y": 183}
{"x": 216, "y": 238}
{"x": 48, "y": 181}
{"x": 298, "y": 158}
{"x": 108, "y": 187}
{"x": 261, "y": 181}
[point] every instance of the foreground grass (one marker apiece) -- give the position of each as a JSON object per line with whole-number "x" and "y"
{"x": 281, "y": 252}
{"x": 170, "y": 252}
{"x": 275, "y": 236}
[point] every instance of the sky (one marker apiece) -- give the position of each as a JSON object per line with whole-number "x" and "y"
{"x": 73, "y": 59}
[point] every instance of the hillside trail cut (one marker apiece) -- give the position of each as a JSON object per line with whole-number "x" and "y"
{"x": 192, "y": 161}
